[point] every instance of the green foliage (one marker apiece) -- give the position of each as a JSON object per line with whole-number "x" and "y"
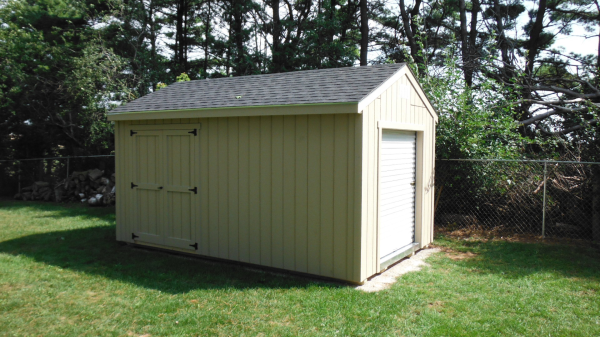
{"x": 182, "y": 78}
{"x": 160, "y": 85}
{"x": 473, "y": 123}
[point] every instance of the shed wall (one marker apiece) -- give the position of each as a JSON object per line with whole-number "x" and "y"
{"x": 400, "y": 103}
{"x": 278, "y": 191}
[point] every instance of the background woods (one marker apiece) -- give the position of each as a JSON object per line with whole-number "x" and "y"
{"x": 501, "y": 85}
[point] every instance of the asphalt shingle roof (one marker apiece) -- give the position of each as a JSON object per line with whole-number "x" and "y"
{"x": 336, "y": 85}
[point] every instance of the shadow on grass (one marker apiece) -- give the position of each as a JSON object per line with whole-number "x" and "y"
{"x": 520, "y": 259}
{"x": 94, "y": 250}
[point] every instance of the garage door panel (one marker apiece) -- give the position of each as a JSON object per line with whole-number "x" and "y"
{"x": 393, "y": 206}
{"x": 397, "y": 191}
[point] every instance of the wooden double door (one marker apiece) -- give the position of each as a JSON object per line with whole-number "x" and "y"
{"x": 165, "y": 187}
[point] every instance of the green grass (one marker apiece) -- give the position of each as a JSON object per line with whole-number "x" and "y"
{"x": 62, "y": 273}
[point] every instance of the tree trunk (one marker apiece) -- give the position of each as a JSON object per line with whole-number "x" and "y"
{"x": 468, "y": 40}
{"x": 507, "y": 69}
{"x": 179, "y": 36}
{"x": 534, "y": 37}
{"x": 596, "y": 203}
{"x": 206, "y": 40}
{"x": 410, "y": 29}
{"x": 276, "y": 37}
{"x": 239, "y": 67}
{"x": 364, "y": 32}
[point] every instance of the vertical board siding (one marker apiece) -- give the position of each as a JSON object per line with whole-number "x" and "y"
{"x": 326, "y": 223}
{"x": 233, "y": 192}
{"x": 266, "y": 176}
{"x": 279, "y": 191}
{"x": 213, "y": 186}
{"x": 314, "y": 194}
{"x": 393, "y": 107}
{"x": 301, "y": 195}
{"x": 254, "y": 181}
{"x": 289, "y": 197}
{"x": 244, "y": 192}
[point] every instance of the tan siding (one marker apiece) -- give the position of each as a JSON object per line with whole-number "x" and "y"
{"x": 289, "y": 197}
{"x": 266, "y": 175}
{"x": 281, "y": 191}
{"x": 340, "y": 201}
{"x": 203, "y": 191}
{"x": 254, "y": 198}
{"x": 314, "y": 196}
{"x": 301, "y": 198}
{"x": 244, "y": 191}
{"x": 277, "y": 192}
{"x": 392, "y": 107}
{"x": 233, "y": 191}
{"x": 327, "y": 152}
{"x": 213, "y": 186}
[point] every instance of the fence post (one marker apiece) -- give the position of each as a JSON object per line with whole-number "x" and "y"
{"x": 544, "y": 202}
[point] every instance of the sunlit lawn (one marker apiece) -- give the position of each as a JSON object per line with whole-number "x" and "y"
{"x": 63, "y": 273}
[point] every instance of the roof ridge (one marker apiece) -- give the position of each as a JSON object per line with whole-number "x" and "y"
{"x": 299, "y": 71}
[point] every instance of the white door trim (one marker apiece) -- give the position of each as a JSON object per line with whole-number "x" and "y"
{"x": 419, "y": 179}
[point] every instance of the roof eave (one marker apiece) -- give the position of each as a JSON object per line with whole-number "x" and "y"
{"x": 240, "y": 111}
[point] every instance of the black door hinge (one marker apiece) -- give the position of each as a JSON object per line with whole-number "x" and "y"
{"x": 195, "y": 190}
{"x": 133, "y": 185}
{"x": 131, "y": 132}
{"x": 133, "y": 236}
{"x": 195, "y": 132}
{"x": 195, "y": 245}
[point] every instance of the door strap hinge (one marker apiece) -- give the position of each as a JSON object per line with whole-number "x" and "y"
{"x": 133, "y": 185}
{"x": 131, "y": 132}
{"x": 195, "y": 190}
{"x": 195, "y": 246}
{"x": 195, "y": 132}
{"x": 133, "y": 236}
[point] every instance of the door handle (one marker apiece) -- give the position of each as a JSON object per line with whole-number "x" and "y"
{"x": 412, "y": 183}
{"x": 160, "y": 187}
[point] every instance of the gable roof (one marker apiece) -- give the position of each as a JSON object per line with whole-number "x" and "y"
{"x": 322, "y": 86}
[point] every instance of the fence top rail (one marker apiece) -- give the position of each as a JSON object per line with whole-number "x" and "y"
{"x": 526, "y": 161}
{"x": 47, "y": 158}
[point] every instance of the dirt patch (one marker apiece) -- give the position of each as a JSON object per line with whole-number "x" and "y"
{"x": 388, "y": 277}
{"x": 473, "y": 233}
{"x": 437, "y": 305}
{"x": 458, "y": 256}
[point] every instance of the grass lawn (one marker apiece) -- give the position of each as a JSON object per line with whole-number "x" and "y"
{"x": 62, "y": 273}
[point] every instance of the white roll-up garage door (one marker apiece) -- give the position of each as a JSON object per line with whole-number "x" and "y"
{"x": 397, "y": 194}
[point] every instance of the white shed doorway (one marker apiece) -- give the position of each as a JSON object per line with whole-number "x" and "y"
{"x": 397, "y": 178}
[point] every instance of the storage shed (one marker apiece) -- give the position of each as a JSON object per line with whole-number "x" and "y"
{"x": 326, "y": 172}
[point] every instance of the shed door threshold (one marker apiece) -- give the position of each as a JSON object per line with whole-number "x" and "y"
{"x": 398, "y": 255}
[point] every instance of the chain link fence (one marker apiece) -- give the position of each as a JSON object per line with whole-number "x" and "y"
{"x": 17, "y": 176}
{"x": 497, "y": 196}
{"x": 541, "y": 198}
